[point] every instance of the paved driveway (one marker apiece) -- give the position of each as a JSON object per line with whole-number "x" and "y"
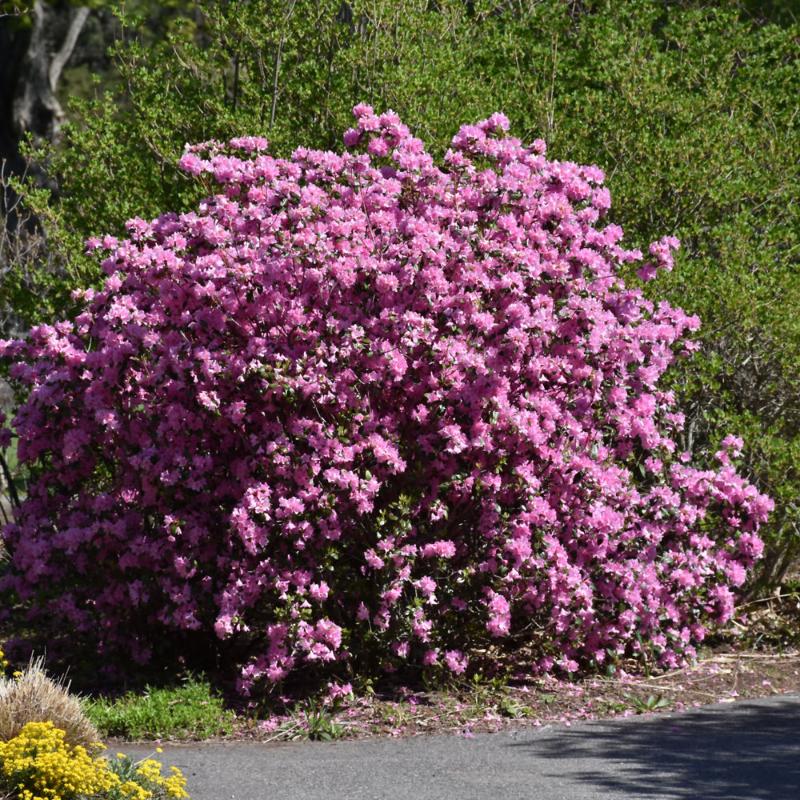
{"x": 743, "y": 751}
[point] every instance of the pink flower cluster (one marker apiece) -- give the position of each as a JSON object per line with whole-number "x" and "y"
{"x": 364, "y": 408}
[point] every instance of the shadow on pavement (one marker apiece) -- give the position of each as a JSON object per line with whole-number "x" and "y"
{"x": 747, "y": 751}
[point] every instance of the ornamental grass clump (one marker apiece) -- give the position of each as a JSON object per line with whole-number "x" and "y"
{"x": 32, "y": 696}
{"x": 363, "y": 410}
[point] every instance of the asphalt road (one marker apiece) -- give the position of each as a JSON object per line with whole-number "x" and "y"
{"x": 743, "y": 751}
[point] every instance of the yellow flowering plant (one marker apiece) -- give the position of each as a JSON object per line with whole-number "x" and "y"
{"x": 145, "y": 781}
{"x": 40, "y": 764}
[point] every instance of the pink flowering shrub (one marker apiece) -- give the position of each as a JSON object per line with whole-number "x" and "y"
{"x": 366, "y": 409}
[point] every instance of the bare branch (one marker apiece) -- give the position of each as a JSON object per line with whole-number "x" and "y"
{"x": 278, "y": 64}
{"x": 60, "y": 59}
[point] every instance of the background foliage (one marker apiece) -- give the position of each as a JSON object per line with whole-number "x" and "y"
{"x": 690, "y": 107}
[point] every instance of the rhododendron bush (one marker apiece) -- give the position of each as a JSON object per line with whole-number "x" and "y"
{"x": 364, "y": 409}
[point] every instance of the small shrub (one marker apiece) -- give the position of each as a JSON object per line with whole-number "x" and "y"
{"x": 316, "y": 722}
{"x": 364, "y": 410}
{"x": 648, "y": 704}
{"x": 34, "y": 697}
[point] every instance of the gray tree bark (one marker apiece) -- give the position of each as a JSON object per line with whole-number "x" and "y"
{"x": 32, "y": 61}
{"x": 53, "y": 36}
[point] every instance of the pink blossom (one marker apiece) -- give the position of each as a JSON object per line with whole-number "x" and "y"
{"x": 339, "y": 690}
{"x": 456, "y": 661}
{"x": 319, "y": 591}
{"x": 443, "y": 548}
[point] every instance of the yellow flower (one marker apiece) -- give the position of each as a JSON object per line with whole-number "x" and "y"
{"x": 132, "y": 790}
{"x": 150, "y": 770}
{"x": 174, "y": 785}
{"x": 44, "y": 766}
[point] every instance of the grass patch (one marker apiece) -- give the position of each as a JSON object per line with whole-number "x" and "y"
{"x": 189, "y": 711}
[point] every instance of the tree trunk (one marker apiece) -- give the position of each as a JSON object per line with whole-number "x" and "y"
{"x": 33, "y": 59}
{"x": 33, "y": 54}
{"x": 53, "y": 36}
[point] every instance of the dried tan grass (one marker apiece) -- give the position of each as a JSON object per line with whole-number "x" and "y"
{"x": 34, "y": 697}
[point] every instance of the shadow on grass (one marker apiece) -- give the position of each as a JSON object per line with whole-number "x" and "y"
{"x": 748, "y": 752}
